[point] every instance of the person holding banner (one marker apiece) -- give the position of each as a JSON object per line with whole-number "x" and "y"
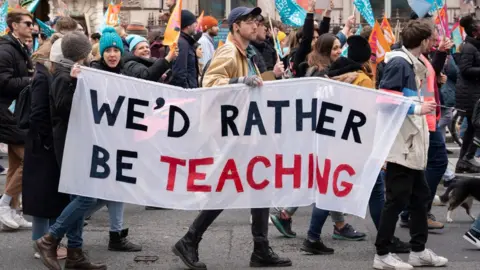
{"x": 233, "y": 63}
{"x": 405, "y": 175}
{"x": 75, "y": 49}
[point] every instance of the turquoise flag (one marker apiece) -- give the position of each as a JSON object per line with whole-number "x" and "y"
{"x": 3, "y": 18}
{"x": 457, "y": 37}
{"x": 421, "y": 7}
{"x": 47, "y": 30}
{"x": 436, "y": 4}
{"x": 365, "y": 9}
{"x": 290, "y": 12}
{"x": 32, "y": 6}
{"x": 359, "y": 30}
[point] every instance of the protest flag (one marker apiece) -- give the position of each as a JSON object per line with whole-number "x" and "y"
{"x": 172, "y": 31}
{"x": 387, "y": 31}
{"x": 421, "y": 7}
{"x": 47, "y": 30}
{"x": 291, "y": 13}
{"x": 365, "y": 9}
{"x": 3, "y": 18}
{"x": 378, "y": 43}
{"x": 199, "y": 28}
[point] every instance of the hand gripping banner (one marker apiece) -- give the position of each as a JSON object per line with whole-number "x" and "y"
{"x": 289, "y": 143}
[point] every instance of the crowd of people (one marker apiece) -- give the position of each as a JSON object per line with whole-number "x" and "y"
{"x": 421, "y": 67}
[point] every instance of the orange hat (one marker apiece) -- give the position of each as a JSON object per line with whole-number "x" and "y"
{"x": 209, "y": 22}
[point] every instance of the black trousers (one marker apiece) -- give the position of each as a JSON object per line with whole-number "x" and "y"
{"x": 260, "y": 218}
{"x": 404, "y": 187}
{"x": 468, "y": 147}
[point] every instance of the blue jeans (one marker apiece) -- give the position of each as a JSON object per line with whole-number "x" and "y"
{"x": 115, "y": 212}
{"x": 376, "y": 203}
{"x": 40, "y": 227}
{"x": 71, "y": 220}
{"x": 436, "y": 166}
{"x": 476, "y": 224}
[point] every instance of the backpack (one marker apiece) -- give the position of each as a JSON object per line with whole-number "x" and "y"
{"x": 22, "y": 108}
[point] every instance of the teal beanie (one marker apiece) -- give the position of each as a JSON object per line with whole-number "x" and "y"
{"x": 133, "y": 41}
{"x": 110, "y": 38}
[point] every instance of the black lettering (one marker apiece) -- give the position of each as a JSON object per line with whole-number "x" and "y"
{"x": 125, "y": 166}
{"x": 305, "y": 115}
{"x": 98, "y": 114}
{"x": 353, "y": 126}
{"x": 99, "y": 161}
{"x": 229, "y": 121}
{"x": 323, "y": 118}
{"x": 171, "y": 121}
{"x": 278, "y": 105}
{"x": 254, "y": 118}
{"x": 131, "y": 113}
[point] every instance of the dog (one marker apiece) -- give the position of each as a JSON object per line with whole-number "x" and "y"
{"x": 461, "y": 193}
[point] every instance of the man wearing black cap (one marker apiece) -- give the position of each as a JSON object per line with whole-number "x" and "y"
{"x": 185, "y": 67}
{"x": 231, "y": 64}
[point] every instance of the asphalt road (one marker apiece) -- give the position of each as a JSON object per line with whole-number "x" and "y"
{"x": 228, "y": 244}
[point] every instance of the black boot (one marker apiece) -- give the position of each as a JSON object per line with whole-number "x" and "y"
{"x": 263, "y": 256}
{"x": 119, "y": 242}
{"x": 187, "y": 249}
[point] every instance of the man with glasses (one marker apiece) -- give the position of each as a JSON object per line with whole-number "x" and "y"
{"x": 16, "y": 72}
{"x": 233, "y": 63}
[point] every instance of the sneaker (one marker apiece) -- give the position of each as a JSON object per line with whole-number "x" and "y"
{"x": 473, "y": 237}
{"x": 437, "y": 201}
{"x": 433, "y": 224}
{"x": 426, "y": 258}
{"x": 404, "y": 223}
{"x": 398, "y": 247}
{"x": 316, "y": 247}
{"x": 6, "y": 217}
{"x": 284, "y": 226}
{"x": 347, "y": 233}
{"x": 4, "y": 172}
{"x": 5, "y": 228}
{"x": 390, "y": 261}
{"x": 21, "y": 221}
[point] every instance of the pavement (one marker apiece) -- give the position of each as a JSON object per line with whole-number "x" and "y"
{"x": 228, "y": 242}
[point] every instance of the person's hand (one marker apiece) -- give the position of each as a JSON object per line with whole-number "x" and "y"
{"x": 328, "y": 11}
{"x": 311, "y": 6}
{"x": 445, "y": 44}
{"x": 75, "y": 71}
{"x": 279, "y": 69}
{"x": 252, "y": 81}
{"x": 428, "y": 107}
{"x": 350, "y": 21}
{"x": 173, "y": 53}
{"x": 442, "y": 79}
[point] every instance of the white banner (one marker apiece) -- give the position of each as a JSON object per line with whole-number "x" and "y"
{"x": 288, "y": 143}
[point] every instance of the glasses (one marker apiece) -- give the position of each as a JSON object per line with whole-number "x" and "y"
{"x": 28, "y": 24}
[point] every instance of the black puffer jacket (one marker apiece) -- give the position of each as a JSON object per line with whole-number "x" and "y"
{"x": 150, "y": 69}
{"x": 16, "y": 69}
{"x": 468, "y": 61}
{"x": 61, "y": 96}
{"x": 268, "y": 55}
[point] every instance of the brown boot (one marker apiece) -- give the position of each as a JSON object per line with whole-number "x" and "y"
{"x": 47, "y": 248}
{"x": 76, "y": 259}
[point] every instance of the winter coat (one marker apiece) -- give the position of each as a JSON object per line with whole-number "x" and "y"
{"x": 448, "y": 90}
{"x": 150, "y": 69}
{"x": 468, "y": 61}
{"x": 16, "y": 70}
{"x": 61, "y": 95}
{"x": 267, "y": 55}
{"x": 344, "y": 66}
{"x": 101, "y": 65}
{"x": 403, "y": 75}
{"x": 41, "y": 173}
{"x": 158, "y": 49}
{"x": 185, "y": 67}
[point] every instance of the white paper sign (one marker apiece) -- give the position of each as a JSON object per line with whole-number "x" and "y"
{"x": 288, "y": 143}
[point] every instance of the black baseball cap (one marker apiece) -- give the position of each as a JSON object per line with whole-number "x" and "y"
{"x": 242, "y": 11}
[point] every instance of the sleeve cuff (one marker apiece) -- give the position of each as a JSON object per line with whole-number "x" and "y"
{"x": 418, "y": 109}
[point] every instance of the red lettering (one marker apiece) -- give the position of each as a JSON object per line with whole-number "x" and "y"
{"x": 250, "y": 168}
{"x": 194, "y": 175}
{"x": 346, "y": 185}
{"x": 230, "y": 172}
{"x": 172, "y": 169}
{"x": 280, "y": 171}
{"x": 322, "y": 180}
{"x": 311, "y": 168}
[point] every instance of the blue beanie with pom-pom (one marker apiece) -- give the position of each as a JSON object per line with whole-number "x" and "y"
{"x": 110, "y": 38}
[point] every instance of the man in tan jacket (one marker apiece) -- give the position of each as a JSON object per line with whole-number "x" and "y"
{"x": 233, "y": 63}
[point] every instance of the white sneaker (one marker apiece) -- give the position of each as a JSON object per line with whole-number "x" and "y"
{"x": 390, "y": 261}
{"x": 4, "y": 172}
{"x": 6, "y": 217}
{"x": 472, "y": 239}
{"x": 36, "y": 255}
{"x": 21, "y": 221}
{"x": 426, "y": 258}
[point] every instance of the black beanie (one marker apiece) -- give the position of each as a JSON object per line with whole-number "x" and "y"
{"x": 187, "y": 18}
{"x": 358, "y": 49}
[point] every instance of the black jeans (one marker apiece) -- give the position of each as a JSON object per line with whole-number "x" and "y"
{"x": 404, "y": 187}
{"x": 468, "y": 147}
{"x": 260, "y": 218}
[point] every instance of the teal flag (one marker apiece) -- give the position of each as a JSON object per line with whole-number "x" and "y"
{"x": 47, "y": 30}
{"x": 365, "y": 9}
{"x": 3, "y": 18}
{"x": 290, "y": 12}
{"x": 32, "y": 6}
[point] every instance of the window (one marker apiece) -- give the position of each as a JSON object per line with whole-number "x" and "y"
{"x": 244, "y": 3}
{"x": 215, "y": 8}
